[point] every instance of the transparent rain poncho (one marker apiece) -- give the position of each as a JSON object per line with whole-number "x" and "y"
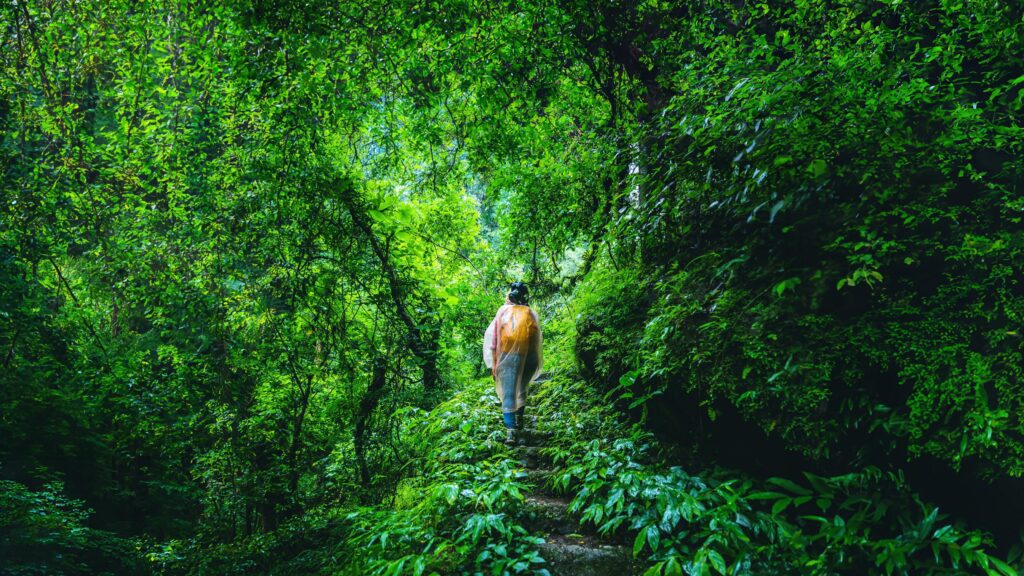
{"x": 512, "y": 348}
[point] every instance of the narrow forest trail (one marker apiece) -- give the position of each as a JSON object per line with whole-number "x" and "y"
{"x": 570, "y": 549}
{"x": 584, "y": 491}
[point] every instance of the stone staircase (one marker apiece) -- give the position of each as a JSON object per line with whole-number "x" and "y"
{"x": 569, "y": 548}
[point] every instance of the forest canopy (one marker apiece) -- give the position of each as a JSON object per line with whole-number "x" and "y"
{"x": 248, "y": 250}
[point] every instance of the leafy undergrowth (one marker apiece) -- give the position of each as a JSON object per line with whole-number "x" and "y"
{"x": 454, "y": 513}
{"x": 721, "y": 522}
{"x": 457, "y": 516}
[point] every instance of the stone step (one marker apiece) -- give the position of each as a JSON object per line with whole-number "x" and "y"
{"x": 549, "y": 514}
{"x": 530, "y": 456}
{"x": 575, "y": 555}
{"x": 538, "y": 478}
{"x": 533, "y": 436}
{"x": 528, "y": 451}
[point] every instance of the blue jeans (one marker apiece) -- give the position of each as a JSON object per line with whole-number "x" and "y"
{"x": 514, "y": 419}
{"x": 510, "y": 369}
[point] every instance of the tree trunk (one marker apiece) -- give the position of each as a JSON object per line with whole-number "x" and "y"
{"x": 366, "y": 407}
{"x": 422, "y": 337}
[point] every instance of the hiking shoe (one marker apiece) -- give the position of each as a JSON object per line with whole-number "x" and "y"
{"x": 510, "y": 436}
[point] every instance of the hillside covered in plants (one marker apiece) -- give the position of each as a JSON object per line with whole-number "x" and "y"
{"x": 249, "y": 249}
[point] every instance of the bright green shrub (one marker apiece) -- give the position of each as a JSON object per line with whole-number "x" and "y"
{"x": 721, "y": 522}
{"x": 466, "y": 523}
{"x": 460, "y": 516}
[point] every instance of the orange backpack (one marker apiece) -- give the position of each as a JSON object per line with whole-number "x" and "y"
{"x": 517, "y": 330}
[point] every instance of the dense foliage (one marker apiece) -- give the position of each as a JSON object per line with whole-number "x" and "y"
{"x": 720, "y": 522}
{"x": 247, "y": 250}
{"x": 845, "y": 187}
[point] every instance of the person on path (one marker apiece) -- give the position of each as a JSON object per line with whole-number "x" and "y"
{"x": 512, "y": 350}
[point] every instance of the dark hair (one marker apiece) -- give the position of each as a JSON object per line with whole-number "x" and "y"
{"x": 518, "y": 293}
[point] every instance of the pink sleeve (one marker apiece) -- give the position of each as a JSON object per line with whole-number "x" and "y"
{"x": 490, "y": 342}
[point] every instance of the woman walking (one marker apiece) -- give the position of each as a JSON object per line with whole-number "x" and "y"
{"x": 512, "y": 350}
